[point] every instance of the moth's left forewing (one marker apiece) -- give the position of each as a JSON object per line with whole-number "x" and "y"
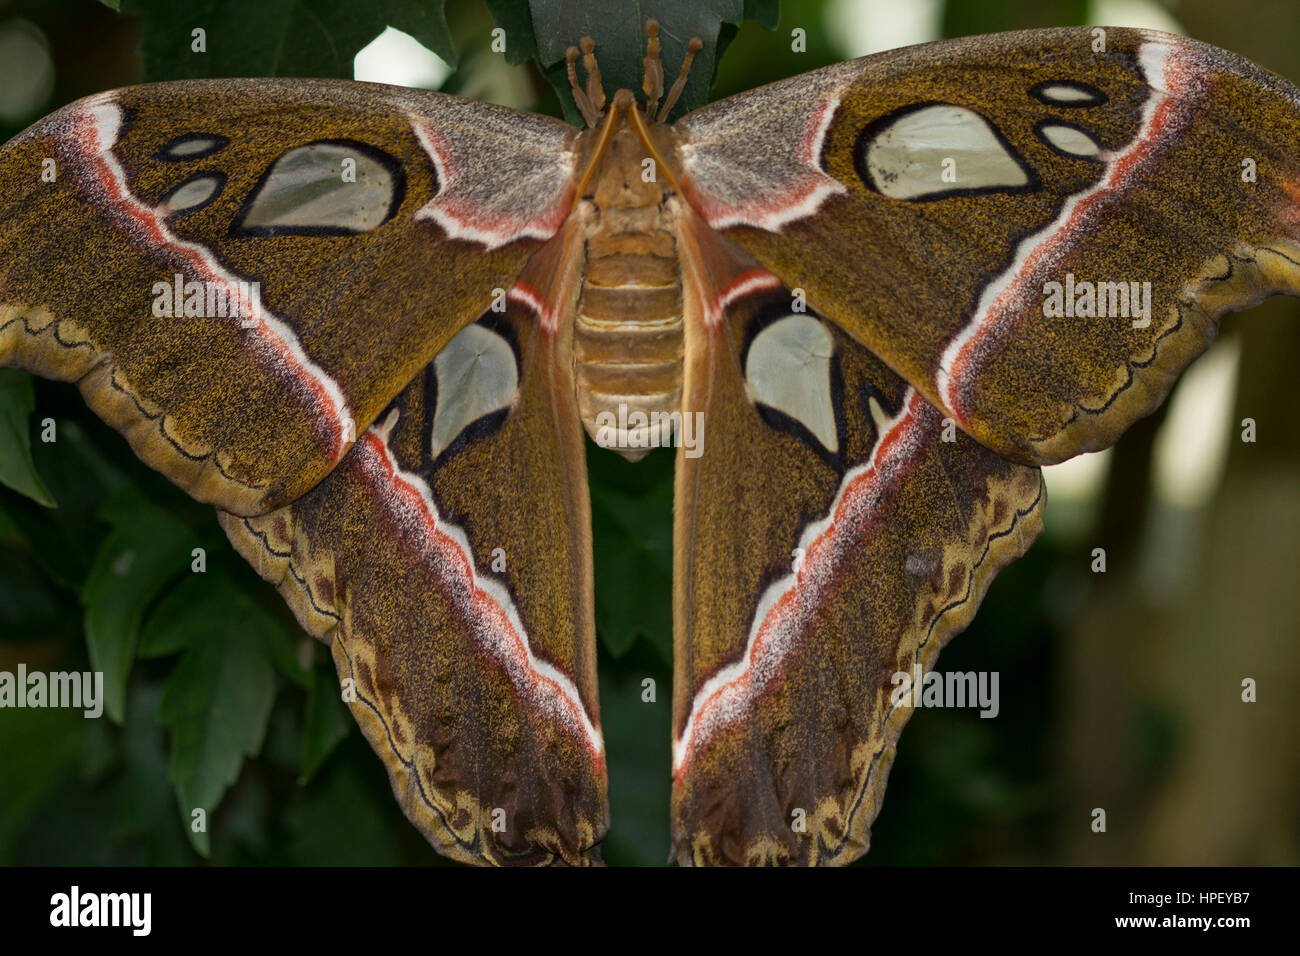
{"x": 1037, "y": 230}
{"x": 830, "y": 533}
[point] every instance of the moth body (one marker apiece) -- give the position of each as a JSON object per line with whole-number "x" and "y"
{"x": 629, "y": 315}
{"x": 628, "y": 323}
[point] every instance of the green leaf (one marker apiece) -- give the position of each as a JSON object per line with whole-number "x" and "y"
{"x": 145, "y": 549}
{"x": 326, "y": 722}
{"x": 766, "y": 13}
{"x": 186, "y": 607}
{"x": 638, "y": 735}
{"x": 277, "y": 37}
{"x": 546, "y": 28}
{"x": 169, "y": 628}
{"x": 216, "y": 703}
{"x": 515, "y": 17}
{"x": 292, "y": 650}
{"x": 17, "y": 401}
{"x": 632, "y": 529}
{"x": 63, "y": 541}
{"x": 146, "y": 800}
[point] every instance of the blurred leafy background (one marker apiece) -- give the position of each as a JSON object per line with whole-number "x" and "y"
{"x": 1119, "y": 690}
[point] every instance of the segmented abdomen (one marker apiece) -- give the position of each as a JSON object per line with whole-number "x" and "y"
{"x": 628, "y": 339}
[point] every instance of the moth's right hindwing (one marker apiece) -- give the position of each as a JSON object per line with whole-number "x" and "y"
{"x": 832, "y": 532}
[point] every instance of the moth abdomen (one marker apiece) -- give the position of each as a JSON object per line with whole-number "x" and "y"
{"x": 628, "y": 337}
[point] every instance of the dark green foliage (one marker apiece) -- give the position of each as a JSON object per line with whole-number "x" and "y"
{"x": 16, "y": 468}
{"x": 276, "y": 37}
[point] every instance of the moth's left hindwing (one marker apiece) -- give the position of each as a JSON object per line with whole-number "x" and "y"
{"x": 447, "y": 561}
{"x": 831, "y": 532}
{"x": 353, "y": 228}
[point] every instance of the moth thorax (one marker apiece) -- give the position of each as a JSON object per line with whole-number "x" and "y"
{"x": 628, "y": 342}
